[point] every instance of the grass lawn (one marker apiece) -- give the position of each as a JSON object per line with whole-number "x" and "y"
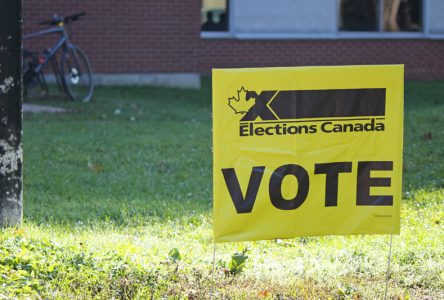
{"x": 118, "y": 200}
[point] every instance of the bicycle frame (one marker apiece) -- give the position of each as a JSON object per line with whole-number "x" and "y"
{"x": 74, "y": 70}
{"x": 62, "y": 42}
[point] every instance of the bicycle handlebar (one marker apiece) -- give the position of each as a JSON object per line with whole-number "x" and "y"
{"x": 56, "y": 20}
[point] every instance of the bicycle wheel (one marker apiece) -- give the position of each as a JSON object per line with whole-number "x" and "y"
{"x": 76, "y": 74}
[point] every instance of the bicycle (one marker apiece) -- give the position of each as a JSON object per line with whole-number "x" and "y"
{"x": 73, "y": 74}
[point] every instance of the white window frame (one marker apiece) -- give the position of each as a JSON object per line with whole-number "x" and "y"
{"x": 337, "y": 35}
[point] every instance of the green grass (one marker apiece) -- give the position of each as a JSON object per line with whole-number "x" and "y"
{"x": 114, "y": 186}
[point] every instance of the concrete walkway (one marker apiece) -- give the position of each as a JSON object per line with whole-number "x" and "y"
{"x": 38, "y": 109}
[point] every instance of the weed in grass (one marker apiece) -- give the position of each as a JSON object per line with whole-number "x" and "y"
{"x": 237, "y": 262}
{"x": 174, "y": 255}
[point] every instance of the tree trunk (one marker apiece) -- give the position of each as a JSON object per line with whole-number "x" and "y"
{"x": 11, "y": 204}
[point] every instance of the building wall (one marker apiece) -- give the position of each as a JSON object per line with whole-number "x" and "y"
{"x": 422, "y": 59}
{"x": 152, "y": 36}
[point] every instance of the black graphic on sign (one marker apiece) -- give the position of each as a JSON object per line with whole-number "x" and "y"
{"x": 364, "y": 182}
{"x": 337, "y": 111}
{"x": 241, "y": 203}
{"x": 306, "y": 104}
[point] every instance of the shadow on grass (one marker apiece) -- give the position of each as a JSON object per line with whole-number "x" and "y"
{"x": 135, "y": 155}
{"x": 130, "y": 156}
{"x": 423, "y": 136}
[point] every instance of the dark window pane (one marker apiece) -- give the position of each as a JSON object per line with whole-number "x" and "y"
{"x": 402, "y": 15}
{"x": 359, "y": 15}
{"x": 214, "y": 15}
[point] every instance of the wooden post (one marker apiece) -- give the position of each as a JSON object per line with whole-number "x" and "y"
{"x": 11, "y": 203}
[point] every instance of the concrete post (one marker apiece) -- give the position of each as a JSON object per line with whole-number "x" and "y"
{"x": 11, "y": 204}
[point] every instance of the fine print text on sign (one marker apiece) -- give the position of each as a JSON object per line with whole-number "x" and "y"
{"x": 307, "y": 151}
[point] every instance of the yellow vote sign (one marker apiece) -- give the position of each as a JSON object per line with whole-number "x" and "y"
{"x": 307, "y": 151}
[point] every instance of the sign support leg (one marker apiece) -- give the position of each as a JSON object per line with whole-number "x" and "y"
{"x": 388, "y": 267}
{"x": 212, "y": 272}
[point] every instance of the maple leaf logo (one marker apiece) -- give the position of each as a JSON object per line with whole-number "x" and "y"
{"x": 240, "y": 104}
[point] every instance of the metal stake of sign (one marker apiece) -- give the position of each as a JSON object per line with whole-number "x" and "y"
{"x": 388, "y": 267}
{"x": 212, "y": 272}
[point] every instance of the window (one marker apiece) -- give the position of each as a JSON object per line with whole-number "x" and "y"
{"x": 402, "y": 15}
{"x": 381, "y": 15}
{"x": 322, "y": 19}
{"x": 214, "y": 15}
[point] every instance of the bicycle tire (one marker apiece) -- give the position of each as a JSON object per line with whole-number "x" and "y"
{"x": 76, "y": 74}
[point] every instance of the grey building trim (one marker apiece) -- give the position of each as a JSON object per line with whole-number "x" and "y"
{"x": 216, "y": 35}
{"x": 181, "y": 80}
{"x": 382, "y": 35}
{"x": 436, "y": 36}
{"x": 324, "y": 36}
{"x": 285, "y": 36}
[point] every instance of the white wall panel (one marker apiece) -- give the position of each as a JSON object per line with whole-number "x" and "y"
{"x": 285, "y": 16}
{"x": 435, "y": 14}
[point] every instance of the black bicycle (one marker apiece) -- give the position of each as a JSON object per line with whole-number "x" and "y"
{"x": 73, "y": 73}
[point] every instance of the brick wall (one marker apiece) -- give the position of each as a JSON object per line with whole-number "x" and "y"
{"x": 150, "y": 36}
{"x": 423, "y": 59}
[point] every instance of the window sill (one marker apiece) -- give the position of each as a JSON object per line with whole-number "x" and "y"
{"x": 382, "y": 35}
{"x": 321, "y": 36}
{"x": 216, "y": 35}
